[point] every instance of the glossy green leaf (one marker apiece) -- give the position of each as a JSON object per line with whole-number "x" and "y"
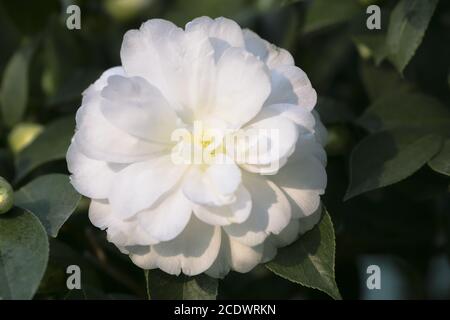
{"x": 310, "y": 260}
{"x": 162, "y": 286}
{"x": 14, "y": 90}
{"x": 23, "y": 255}
{"x": 318, "y": 15}
{"x": 50, "y": 145}
{"x": 51, "y": 198}
{"x": 403, "y": 109}
{"x": 407, "y": 25}
{"x": 387, "y": 157}
{"x": 379, "y": 82}
{"x": 441, "y": 162}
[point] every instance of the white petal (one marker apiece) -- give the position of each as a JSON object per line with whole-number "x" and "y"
{"x": 284, "y": 238}
{"x": 236, "y": 212}
{"x": 290, "y": 84}
{"x": 138, "y": 108}
{"x": 300, "y": 116}
{"x": 100, "y": 213}
{"x": 101, "y": 82}
{"x": 92, "y": 178}
{"x": 100, "y": 140}
{"x": 307, "y": 145}
{"x": 273, "y": 137}
{"x": 223, "y": 33}
{"x": 308, "y": 173}
{"x": 192, "y": 252}
{"x": 141, "y": 184}
{"x": 270, "y": 213}
{"x": 120, "y": 232}
{"x": 214, "y": 185}
{"x": 320, "y": 130}
{"x": 236, "y": 256}
{"x": 303, "y": 182}
{"x": 167, "y": 218}
{"x": 154, "y": 52}
{"x": 273, "y": 56}
{"x": 243, "y": 85}
{"x": 307, "y": 223}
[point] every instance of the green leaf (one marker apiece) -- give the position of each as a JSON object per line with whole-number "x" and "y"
{"x": 403, "y": 109}
{"x": 379, "y": 81}
{"x": 50, "y": 145}
{"x": 388, "y": 157}
{"x": 23, "y": 255}
{"x": 14, "y": 91}
{"x": 162, "y": 286}
{"x": 318, "y": 15}
{"x": 441, "y": 162}
{"x": 310, "y": 260}
{"x": 407, "y": 25}
{"x": 51, "y": 198}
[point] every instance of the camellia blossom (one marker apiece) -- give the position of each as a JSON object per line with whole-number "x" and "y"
{"x": 192, "y": 217}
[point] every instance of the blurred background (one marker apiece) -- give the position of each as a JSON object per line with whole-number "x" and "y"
{"x": 403, "y": 228}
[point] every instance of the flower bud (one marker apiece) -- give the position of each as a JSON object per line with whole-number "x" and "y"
{"x": 339, "y": 140}
{"x": 6, "y": 196}
{"x": 22, "y": 135}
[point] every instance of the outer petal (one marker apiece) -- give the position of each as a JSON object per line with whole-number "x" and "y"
{"x": 290, "y": 84}
{"x": 284, "y": 238}
{"x": 137, "y": 107}
{"x": 271, "y": 212}
{"x": 236, "y": 212}
{"x": 303, "y": 182}
{"x": 180, "y": 64}
{"x": 154, "y": 52}
{"x": 223, "y": 33}
{"x": 120, "y": 232}
{"x": 192, "y": 252}
{"x": 320, "y": 130}
{"x": 236, "y": 256}
{"x": 100, "y": 140}
{"x": 90, "y": 177}
{"x": 273, "y": 56}
{"x": 140, "y": 185}
{"x": 167, "y": 218}
{"x": 243, "y": 85}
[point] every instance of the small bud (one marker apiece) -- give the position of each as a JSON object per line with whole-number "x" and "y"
{"x": 6, "y": 196}
{"x": 22, "y": 135}
{"x": 123, "y": 10}
{"x": 339, "y": 140}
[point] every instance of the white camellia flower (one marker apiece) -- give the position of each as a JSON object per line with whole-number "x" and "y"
{"x": 228, "y": 213}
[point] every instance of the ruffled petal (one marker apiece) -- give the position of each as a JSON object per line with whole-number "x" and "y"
{"x": 236, "y": 256}
{"x": 271, "y": 212}
{"x": 273, "y": 56}
{"x": 223, "y": 33}
{"x": 138, "y": 108}
{"x": 141, "y": 184}
{"x": 243, "y": 85}
{"x": 92, "y": 178}
{"x": 192, "y": 252}
{"x": 167, "y": 218}
{"x": 236, "y": 212}
{"x": 290, "y": 84}
{"x": 213, "y": 185}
